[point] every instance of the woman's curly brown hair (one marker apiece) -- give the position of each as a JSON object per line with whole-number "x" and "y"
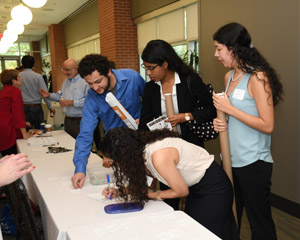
{"x": 126, "y": 147}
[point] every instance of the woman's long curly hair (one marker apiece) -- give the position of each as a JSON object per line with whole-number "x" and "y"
{"x": 126, "y": 148}
{"x": 237, "y": 39}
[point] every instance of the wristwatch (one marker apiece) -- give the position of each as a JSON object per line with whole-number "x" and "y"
{"x": 187, "y": 117}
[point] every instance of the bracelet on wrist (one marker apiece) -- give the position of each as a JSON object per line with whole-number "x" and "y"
{"x": 158, "y": 197}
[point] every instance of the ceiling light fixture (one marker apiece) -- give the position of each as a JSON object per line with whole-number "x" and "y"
{"x": 35, "y": 3}
{"x": 3, "y": 47}
{"x": 15, "y": 27}
{"x": 21, "y": 14}
{"x": 9, "y": 36}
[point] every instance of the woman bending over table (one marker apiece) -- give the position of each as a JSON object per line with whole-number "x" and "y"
{"x": 189, "y": 170}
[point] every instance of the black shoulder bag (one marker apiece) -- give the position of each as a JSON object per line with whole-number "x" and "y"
{"x": 204, "y": 131}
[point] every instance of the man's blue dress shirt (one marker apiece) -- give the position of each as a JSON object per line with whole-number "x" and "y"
{"x": 130, "y": 87}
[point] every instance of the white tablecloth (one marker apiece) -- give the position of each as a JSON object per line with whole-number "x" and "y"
{"x": 61, "y": 206}
{"x": 160, "y": 226}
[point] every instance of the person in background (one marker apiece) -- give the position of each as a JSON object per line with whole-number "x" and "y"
{"x": 32, "y": 82}
{"x": 127, "y": 86}
{"x": 13, "y": 167}
{"x": 50, "y": 82}
{"x": 45, "y": 78}
{"x": 71, "y": 97}
{"x": 169, "y": 74}
{"x": 20, "y": 68}
{"x": 252, "y": 91}
{"x": 12, "y": 117}
{"x": 189, "y": 170}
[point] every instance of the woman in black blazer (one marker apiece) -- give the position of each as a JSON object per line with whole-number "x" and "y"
{"x": 169, "y": 74}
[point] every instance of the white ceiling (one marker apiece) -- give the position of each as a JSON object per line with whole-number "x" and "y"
{"x": 53, "y": 12}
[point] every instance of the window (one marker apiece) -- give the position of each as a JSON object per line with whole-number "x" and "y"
{"x": 183, "y": 38}
{"x": 187, "y": 51}
{"x": 11, "y": 64}
{"x": 180, "y": 50}
{"x": 18, "y": 49}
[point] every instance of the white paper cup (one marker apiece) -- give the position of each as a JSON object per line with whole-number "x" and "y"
{"x": 48, "y": 128}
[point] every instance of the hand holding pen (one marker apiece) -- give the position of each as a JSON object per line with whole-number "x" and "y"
{"x": 108, "y": 186}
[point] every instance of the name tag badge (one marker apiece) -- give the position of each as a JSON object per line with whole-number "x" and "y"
{"x": 238, "y": 94}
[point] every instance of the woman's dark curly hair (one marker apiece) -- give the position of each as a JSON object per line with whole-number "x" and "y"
{"x": 236, "y": 38}
{"x": 126, "y": 147}
{"x": 93, "y": 62}
{"x": 159, "y": 51}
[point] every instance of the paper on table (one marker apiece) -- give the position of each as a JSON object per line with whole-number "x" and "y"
{"x": 41, "y": 141}
{"x": 66, "y": 183}
{"x": 99, "y": 197}
{"x": 76, "y": 191}
{"x": 113, "y": 228}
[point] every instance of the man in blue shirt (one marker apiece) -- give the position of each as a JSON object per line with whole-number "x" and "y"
{"x": 127, "y": 86}
{"x": 31, "y": 84}
{"x": 71, "y": 97}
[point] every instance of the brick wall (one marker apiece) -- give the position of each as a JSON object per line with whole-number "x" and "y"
{"x": 58, "y": 54}
{"x": 118, "y": 33}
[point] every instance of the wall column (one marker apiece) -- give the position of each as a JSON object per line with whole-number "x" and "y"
{"x": 58, "y": 54}
{"x": 118, "y": 33}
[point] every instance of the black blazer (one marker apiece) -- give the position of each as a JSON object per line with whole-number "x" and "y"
{"x": 151, "y": 104}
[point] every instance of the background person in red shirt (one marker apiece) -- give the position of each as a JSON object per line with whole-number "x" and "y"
{"x": 12, "y": 117}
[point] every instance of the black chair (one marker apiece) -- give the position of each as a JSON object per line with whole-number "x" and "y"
{"x": 29, "y": 226}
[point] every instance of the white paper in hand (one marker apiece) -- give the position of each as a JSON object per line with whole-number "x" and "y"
{"x": 159, "y": 123}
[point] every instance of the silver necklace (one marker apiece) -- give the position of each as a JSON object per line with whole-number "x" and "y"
{"x": 235, "y": 79}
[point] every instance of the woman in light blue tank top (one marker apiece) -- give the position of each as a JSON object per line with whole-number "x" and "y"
{"x": 252, "y": 91}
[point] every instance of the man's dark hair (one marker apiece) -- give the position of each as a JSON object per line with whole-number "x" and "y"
{"x": 28, "y": 61}
{"x": 93, "y": 62}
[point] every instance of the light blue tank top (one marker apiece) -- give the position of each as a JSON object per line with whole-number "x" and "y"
{"x": 247, "y": 145}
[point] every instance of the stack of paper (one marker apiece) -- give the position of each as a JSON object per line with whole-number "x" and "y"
{"x": 41, "y": 141}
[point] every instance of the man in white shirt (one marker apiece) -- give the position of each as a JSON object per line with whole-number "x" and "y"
{"x": 71, "y": 97}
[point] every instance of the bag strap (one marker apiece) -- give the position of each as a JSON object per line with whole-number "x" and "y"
{"x": 188, "y": 83}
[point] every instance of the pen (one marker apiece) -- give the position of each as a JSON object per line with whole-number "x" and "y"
{"x": 108, "y": 184}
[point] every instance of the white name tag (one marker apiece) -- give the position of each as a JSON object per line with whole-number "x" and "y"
{"x": 238, "y": 94}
